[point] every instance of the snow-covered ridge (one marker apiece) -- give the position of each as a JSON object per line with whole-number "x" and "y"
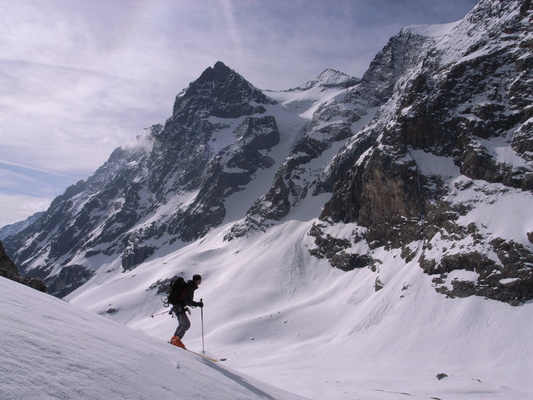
{"x": 433, "y": 30}
{"x": 329, "y": 78}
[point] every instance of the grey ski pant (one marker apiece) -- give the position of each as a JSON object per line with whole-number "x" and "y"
{"x": 183, "y": 321}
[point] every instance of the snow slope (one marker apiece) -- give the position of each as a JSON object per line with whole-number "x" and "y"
{"x": 53, "y": 350}
{"x": 286, "y": 318}
{"x": 290, "y": 319}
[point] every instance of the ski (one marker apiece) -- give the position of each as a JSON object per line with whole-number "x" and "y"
{"x": 206, "y": 357}
{"x": 202, "y": 355}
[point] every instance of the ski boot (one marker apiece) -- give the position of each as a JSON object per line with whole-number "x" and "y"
{"x": 176, "y": 341}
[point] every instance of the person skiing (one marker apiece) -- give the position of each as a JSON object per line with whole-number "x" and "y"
{"x": 180, "y": 310}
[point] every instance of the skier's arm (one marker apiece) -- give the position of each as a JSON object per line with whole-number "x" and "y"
{"x": 190, "y": 299}
{"x": 197, "y": 304}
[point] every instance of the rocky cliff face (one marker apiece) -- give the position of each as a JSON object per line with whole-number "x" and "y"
{"x": 465, "y": 94}
{"x": 9, "y": 270}
{"x": 439, "y": 126}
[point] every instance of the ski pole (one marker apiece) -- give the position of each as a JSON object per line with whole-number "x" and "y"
{"x": 161, "y": 313}
{"x": 202, "y": 314}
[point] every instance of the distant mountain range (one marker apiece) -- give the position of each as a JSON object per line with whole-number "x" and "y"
{"x": 12, "y": 229}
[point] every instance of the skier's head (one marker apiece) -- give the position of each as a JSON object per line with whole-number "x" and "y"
{"x": 197, "y": 279}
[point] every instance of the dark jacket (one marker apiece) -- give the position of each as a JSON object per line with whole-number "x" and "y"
{"x": 189, "y": 297}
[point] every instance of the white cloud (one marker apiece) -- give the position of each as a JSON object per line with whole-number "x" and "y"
{"x": 18, "y": 207}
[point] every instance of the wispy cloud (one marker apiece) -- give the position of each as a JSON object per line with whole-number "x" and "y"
{"x": 233, "y": 30}
{"x": 27, "y": 167}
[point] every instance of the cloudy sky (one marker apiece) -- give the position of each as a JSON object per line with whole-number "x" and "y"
{"x": 79, "y": 78}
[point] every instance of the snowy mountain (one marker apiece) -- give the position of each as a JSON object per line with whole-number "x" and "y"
{"x": 439, "y": 123}
{"x": 13, "y": 229}
{"x": 380, "y": 224}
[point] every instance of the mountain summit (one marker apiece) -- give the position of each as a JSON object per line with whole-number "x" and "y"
{"x": 220, "y": 92}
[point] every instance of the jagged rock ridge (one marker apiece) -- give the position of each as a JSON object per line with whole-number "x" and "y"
{"x": 458, "y": 102}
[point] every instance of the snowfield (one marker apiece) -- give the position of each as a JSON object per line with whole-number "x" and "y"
{"x": 323, "y": 333}
{"x": 53, "y": 350}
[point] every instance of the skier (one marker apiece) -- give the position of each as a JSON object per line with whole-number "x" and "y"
{"x": 180, "y": 310}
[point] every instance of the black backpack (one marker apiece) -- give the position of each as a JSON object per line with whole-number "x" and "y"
{"x": 177, "y": 292}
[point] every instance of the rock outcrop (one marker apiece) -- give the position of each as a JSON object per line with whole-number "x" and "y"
{"x": 9, "y": 270}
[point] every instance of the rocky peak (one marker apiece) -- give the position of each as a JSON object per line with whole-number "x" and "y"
{"x": 219, "y": 92}
{"x": 213, "y": 145}
{"x": 486, "y": 11}
{"x": 460, "y": 96}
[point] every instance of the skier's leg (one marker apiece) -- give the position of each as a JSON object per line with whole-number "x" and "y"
{"x": 184, "y": 324}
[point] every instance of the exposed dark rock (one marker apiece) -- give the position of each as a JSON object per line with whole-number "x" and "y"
{"x": 380, "y": 194}
{"x": 378, "y": 285}
{"x": 511, "y": 280}
{"x": 222, "y": 93}
{"x": 335, "y": 250}
{"x": 35, "y": 283}
{"x": 9, "y": 270}
{"x": 135, "y": 255}
{"x": 70, "y": 278}
{"x": 229, "y": 172}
